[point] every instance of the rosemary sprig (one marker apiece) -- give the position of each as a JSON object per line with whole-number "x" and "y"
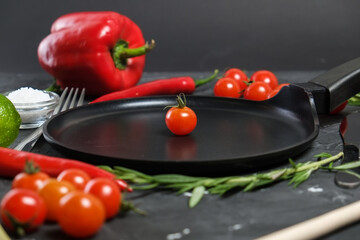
{"x": 296, "y": 174}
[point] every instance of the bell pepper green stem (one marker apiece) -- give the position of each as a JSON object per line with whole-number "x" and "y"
{"x": 121, "y": 52}
{"x": 199, "y": 82}
{"x": 54, "y": 87}
{"x": 135, "y": 52}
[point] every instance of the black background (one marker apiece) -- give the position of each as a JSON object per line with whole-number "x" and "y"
{"x": 199, "y": 35}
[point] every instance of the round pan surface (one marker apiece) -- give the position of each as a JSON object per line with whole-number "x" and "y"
{"x": 230, "y": 134}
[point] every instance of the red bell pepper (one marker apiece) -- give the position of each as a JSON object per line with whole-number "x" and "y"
{"x": 100, "y": 51}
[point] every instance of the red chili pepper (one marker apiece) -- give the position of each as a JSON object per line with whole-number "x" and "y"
{"x": 168, "y": 86}
{"x": 100, "y": 51}
{"x": 12, "y": 162}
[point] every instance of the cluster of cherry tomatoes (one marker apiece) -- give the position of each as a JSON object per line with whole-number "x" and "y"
{"x": 79, "y": 204}
{"x": 260, "y": 86}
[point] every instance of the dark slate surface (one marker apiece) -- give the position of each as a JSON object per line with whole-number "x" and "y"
{"x": 236, "y": 216}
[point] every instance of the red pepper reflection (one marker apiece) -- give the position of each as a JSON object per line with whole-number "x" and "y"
{"x": 343, "y": 126}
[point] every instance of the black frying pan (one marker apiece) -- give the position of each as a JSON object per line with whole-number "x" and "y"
{"x": 232, "y": 134}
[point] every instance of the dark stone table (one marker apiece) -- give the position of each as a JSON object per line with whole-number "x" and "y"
{"x": 240, "y": 215}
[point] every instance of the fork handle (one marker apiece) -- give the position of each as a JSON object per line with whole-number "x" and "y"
{"x": 30, "y": 139}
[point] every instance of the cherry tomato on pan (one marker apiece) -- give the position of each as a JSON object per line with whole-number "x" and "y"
{"x": 81, "y": 214}
{"x": 238, "y": 75}
{"x": 22, "y": 210}
{"x": 277, "y": 89}
{"x": 266, "y": 77}
{"x": 257, "y": 91}
{"x": 107, "y": 192}
{"x": 52, "y": 191}
{"x": 227, "y": 87}
{"x": 180, "y": 119}
{"x": 77, "y": 177}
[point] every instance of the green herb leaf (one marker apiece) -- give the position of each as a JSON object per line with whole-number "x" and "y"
{"x": 278, "y": 174}
{"x": 106, "y": 168}
{"x": 256, "y": 184}
{"x": 355, "y": 100}
{"x": 123, "y": 170}
{"x": 292, "y": 163}
{"x": 145, "y": 186}
{"x": 300, "y": 177}
{"x": 322, "y": 155}
{"x": 196, "y": 196}
{"x": 174, "y": 178}
{"x": 349, "y": 165}
{"x": 221, "y": 189}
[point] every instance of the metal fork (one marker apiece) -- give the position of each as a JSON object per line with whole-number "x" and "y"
{"x": 64, "y": 104}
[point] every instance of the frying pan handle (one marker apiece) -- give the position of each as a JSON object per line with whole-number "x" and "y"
{"x": 319, "y": 226}
{"x": 341, "y": 83}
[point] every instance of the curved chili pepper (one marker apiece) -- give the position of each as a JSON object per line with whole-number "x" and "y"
{"x": 168, "y": 86}
{"x": 12, "y": 162}
{"x": 100, "y": 51}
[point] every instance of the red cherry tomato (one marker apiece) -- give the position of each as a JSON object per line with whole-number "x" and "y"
{"x": 32, "y": 181}
{"x": 339, "y": 108}
{"x": 31, "y": 177}
{"x": 22, "y": 210}
{"x": 276, "y": 90}
{"x": 52, "y": 191}
{"x": 77, "y": 177}
{"x": 257, "y": 91}
{"x": 227, "y": 87}
{"x": 81, "y": 214}
{"x": 181, "y": 120}
{"x": 238, "y": 75}
{"x": 108, "y": 192}
{"x": 266, "y": 77}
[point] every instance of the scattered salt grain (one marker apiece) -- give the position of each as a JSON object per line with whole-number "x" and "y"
{"x": 315, "y": 189}
{"x": 235, "y": 227}
{"x": 28, "y": 95}
{"x": 178, "y": 235}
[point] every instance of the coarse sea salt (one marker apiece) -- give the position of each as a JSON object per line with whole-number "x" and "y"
{"x": 33, "y": 105}
{"x": 28, "y": 95}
